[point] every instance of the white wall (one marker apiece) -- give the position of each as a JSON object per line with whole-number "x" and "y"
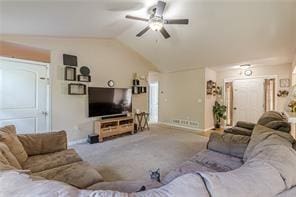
{"x": 209, "y": 100}
{"x": 281, "y": 71}
{"x": 107, "y": 59}
{"x": 182, "y": 97}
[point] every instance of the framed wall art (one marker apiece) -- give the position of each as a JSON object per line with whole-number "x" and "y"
{"x": 70, "y": 73}
{"x": 284, "y": 83}
{"x": 84, "y": 78}
{"x": 76, "y": 89}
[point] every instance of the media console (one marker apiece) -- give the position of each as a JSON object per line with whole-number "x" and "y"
{"x": 114, "y": 126}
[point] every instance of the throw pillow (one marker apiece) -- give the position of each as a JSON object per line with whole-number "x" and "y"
{"x": 8, "y": 136}
{"x": 7, "y": 158}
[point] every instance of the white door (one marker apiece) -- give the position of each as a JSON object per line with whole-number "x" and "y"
{"x": 24, "y": 93}
{"x": 248, "y": 99}
{"x": 153, "y": 102}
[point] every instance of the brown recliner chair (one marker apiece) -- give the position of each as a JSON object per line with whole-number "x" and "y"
{"x": 271, "y": 119}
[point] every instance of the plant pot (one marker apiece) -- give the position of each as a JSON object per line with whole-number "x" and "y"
{"x": 217, "y": 125}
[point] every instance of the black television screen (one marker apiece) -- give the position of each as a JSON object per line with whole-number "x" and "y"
{"x": 69, "y": 60}
{"x": 109, "y": 101}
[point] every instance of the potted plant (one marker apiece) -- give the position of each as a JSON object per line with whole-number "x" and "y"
{"x": 219, "y": 113}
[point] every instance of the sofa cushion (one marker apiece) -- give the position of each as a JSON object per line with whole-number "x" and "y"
{"x": 39, "y": 163}
{"x": 279, "y": 125}
{"x": 217, "y": 161}
{"x": 16, "y": 184}
{"x": 261, "y": 133}
{"x": 234, "y": 145}
{"x": 185, "y": 168}
{"x": 8, "y": 136}
{"x": 43, "y": 143}
{"x": 254, "y": 178}
{"x": 7, "y": 158}
{"x": 125, "y": 186}
{"x": 239, "y": 131}
{"x": 275, "y": 148}
{"x": 246, "y": 125}
{"x": 78, "y": 174}
{"x": 189, "y": 185}
{"x": 271, "y": 116}
{"x": 204, "y": 161}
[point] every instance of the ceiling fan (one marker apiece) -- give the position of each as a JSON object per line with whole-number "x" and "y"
{"x": 156, "y": 21}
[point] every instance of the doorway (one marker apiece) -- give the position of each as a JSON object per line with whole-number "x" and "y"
{"x": 24, "y": 95}
{"x": 153, "y": 102}
{"x": 248, "y": 99}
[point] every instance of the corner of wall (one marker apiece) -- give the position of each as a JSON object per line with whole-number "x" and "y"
{"x": 209, "y": 100}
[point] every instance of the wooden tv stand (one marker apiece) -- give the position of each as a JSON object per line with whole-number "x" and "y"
{"x": 114, "y": 126}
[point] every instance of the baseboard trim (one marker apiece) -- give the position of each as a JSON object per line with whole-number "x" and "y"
{"x": 77, "y": 142}
{"x": 180, "y": 126}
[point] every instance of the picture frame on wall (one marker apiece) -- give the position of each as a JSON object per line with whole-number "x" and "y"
{"x": 76, "y": 89}
{"x": 284, "y": 83}
{"x": 69, "y": 60}
{"x": 84, "y": 78}
{"x": 70, "y": 73}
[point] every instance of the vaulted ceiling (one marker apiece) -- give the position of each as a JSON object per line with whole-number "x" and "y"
{"x": 220, "y": 32}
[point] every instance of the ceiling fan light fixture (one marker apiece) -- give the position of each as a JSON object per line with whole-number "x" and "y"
{"x": 156, "y": 23}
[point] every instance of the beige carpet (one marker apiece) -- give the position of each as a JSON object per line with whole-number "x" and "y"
{"x": 130, "y": 157}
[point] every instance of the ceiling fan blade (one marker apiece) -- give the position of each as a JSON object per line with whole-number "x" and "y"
{"x": 164, "y": 32}
{"x": 143, "y": 31}
{"x": 177, "y": 21}
{"x": 136, "y": 18}
{"x": 160, "y": 8}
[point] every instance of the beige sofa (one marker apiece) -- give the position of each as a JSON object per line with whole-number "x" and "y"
{"x": 262, "y": 165}
{"x": 45, "y": 155}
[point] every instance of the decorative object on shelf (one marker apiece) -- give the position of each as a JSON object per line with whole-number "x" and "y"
{"x": 76, "y": 89}
{"x": 69, "y": 60}
{"x": 211, "y": 87}
{"x": 84, "y": 78}
{"x": 84, "y": 70}
{"x": 217, "y": 91}
{"x": 291, "y": 100}
{"x": 144, "y": 89}
{"x": 284, "y": 83}
{"x": 110, "y": 83}
{"x": 248, "y": 72}
{"x": 137, "y": 88}
{"x": 70, "y": 73}
{"x": 219, "y": 114}
{"x": 136, "y": 82}
{"x": 283, "y": 93}
{"x": 292, "y": 106}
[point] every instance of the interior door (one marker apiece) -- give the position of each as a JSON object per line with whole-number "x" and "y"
{"x": 24, "y": 96}
{"x": 248, "y": 99}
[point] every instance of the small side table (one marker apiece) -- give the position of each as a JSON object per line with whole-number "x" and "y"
{"x": 143, "y": 116}
{"x": 139, "y": 118}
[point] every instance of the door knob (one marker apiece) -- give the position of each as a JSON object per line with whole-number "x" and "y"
{"x": 234, "y": 108}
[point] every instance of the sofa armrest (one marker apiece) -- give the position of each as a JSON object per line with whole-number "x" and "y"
{"x": 246, "y": 125}
{"x": 229, "y": 144}
{"x": 42, "y": 143}
{"x": 238, "y": 131}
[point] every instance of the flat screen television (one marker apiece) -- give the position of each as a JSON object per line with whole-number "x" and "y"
{"x": 109, "y": 101}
